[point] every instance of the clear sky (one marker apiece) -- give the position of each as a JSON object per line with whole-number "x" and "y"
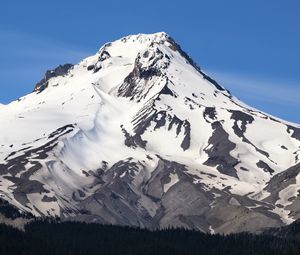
{"x": 252, "y": 47}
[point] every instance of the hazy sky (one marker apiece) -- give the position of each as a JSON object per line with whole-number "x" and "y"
{"x": 252, "y": 47}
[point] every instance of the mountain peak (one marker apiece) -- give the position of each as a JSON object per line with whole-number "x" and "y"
{"x": 140, "y": 39}
{"x": 158, "y": 37}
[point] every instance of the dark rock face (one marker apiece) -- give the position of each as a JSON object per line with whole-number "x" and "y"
{"x": 209, "y": 113}
{"x": 25, "y": 187}
{"x": 48, "y": 199}
{"x": 245, "y": 119}
{"x": 219, "y": 152}
{"x": 58, "y": 71}
{"x": 265, "y": 167}
{"x": 187, "y": 135}
{"x": 135, "y": 84}
{"x": 295, "y": 131}
{"x": 167, "y": 91}
{"x": 160, "y": 118}
{"x": 90, "y": 67}
{"x": 133, "y": 141}
{"x": 103, "y": 56}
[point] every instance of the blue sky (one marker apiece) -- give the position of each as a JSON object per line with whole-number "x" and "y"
{"x": 250, "y": 47}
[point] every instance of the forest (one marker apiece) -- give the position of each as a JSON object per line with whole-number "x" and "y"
{"x": 71, "y": 238}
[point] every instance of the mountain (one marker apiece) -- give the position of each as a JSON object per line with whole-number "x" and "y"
{"x": 139, "y": 135}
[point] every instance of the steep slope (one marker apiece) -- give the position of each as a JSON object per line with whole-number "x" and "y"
{"x": 139, "y": 135}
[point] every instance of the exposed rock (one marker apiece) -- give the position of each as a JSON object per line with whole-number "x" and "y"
{"x": 219, "y": 149}
{"x": 61, "y": 70}
{"x": 265, "y": 167}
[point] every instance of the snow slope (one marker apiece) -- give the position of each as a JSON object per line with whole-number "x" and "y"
{"x": 139, "y": 135}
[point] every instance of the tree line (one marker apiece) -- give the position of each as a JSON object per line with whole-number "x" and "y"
{"x": 71, "y": 238}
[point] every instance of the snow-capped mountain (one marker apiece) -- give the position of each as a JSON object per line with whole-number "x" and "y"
{"x": 139, "y": 135}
